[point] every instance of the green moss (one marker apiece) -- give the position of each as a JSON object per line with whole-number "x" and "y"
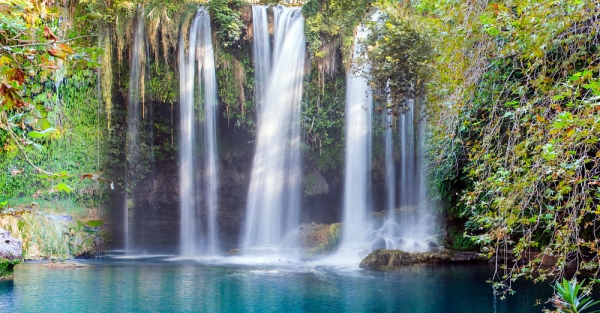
{"x": 323, "y": 120}
{"x": 320, "y": 239}
{"x": 7, "y": 267}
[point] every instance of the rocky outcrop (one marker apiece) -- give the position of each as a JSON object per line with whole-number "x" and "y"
{"x": 389, "y": 260}
{"x": 319, "y": 239}
{"x": 44, "y": 236}
{"x": 11, "y": 248}
{"x": 11, "y": 253}
{"x": 315, "y": 184}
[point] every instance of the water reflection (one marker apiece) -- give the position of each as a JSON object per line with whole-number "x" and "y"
{"x": 186, "y": 286}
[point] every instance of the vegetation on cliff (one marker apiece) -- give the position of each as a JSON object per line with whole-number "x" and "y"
{"x": 511, "y": 91}
{"x": 513, "y": 114}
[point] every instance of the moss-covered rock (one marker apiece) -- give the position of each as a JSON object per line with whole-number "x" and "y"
{"x": 48, "y": 236}
{"x": 315, "y": 184}
{"x": 389, "y": 260}
{"x": 7, "y": 268}
{"x": 319, "y": 239}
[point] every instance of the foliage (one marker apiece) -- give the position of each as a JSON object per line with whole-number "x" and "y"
{"x": 459, "y": 241}
{"x": 226, "y": 17}
{"x": 568, "y": 298}
{"x": 51, "y": 238}
{"x": 236, "y": 87}
{"x": 398, "y": 52}
{"x": 7, "y": 267}
{"x": 513, "y": 110}
{"x": 329, "y": 26}
{"x": 77, "y": 145}
{"x": 323, "y": 120}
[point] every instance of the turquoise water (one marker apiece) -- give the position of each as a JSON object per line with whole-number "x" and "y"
{"x": 185, "y": 286}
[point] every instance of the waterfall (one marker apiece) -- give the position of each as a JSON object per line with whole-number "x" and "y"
{"x": 410, "y": 227}
{"x": 261, "y": 52}
{"x": 358, "y": 148}
{"x": 390, "y": 171}
{"x": 199, "y": 50}
{"x": 134, "y": 115}
{"x": 272, "y": 209}
{"x": 211, "y": 106}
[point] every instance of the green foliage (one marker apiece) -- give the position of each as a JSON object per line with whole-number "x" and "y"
{"x": 459, "y": 241}
{"x": 398, "y": 52}
{"x": 329, "y": 26}
{"x": 226, "y": 17}
{"x": 513, "y": 114}
{"x": 571, "y": 297}
{"x": 48, "y": 238}
{"x": 236, "y": 88}
{"x": 323, "y": 120}
{"x": 163, "y": 84}
{"x": 77, "y": 145}
{"x": 7, "y": 267}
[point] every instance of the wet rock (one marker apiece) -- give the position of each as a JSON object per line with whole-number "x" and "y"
{"x": 389, "y": 260}
{"x": 315, "y": 184}
{"x": 10, "y": 248}
{"x": 319, "y": 239}
{"x": 232, "y": 252}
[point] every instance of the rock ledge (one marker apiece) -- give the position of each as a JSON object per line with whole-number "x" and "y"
{"x": 389, "y": 260}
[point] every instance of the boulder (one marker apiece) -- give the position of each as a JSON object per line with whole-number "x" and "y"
{"x": 389, "y": 260}
{"x": 11, "y": 248}
{"x": 315, "y": 184}
{"x": 319, "y": 239}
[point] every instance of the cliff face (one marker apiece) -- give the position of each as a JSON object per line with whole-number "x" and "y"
{"x": 154, "y": 220}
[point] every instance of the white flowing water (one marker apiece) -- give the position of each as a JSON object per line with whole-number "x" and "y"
{"x": 261, "y": 51}
{"x": 408, "y": 227}
{"x": 206, "y": 65}
{"x": 134, "y": 115}
{"x": 200, "y": 55}
{"x": 390, "y": 170}
{"x": 273, "y": 204}
{"x": 359, "y": 108}
{"x": 187, "y": 231}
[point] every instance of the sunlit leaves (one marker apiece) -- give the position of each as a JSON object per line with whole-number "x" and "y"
{"x": 521, "y": 130}
{"x": 41, "y": 134}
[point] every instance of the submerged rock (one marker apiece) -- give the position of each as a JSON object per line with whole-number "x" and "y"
{"x": 389, "y": 260}
{"x": 65, "y": 264}
{"x": 11, "y": 248}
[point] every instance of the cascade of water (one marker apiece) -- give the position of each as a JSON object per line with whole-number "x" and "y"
{"x": 408, "y": 184}
{"x": 410, "y": 228}
{"x": 273, "y": 203}
{"x": 390, "y": 170}
{"x": 261, "y": 52}
{"x": 134, "y": 114}
{"x": 209, "y": 83}
{"x": 188, "y": 232}
{"x": 358, "y": 148}
{"x": 200, "y": 55}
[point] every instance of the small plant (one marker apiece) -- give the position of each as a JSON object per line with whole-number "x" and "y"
{"x": 568, "y": 298}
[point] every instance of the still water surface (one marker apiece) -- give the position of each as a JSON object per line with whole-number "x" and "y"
{"x": 157, "y": 285}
